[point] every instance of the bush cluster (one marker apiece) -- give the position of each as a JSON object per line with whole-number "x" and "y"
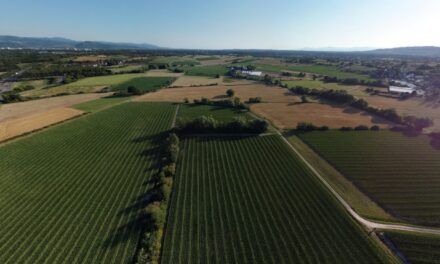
{"x": 208, "y": 124}
{"x": 254, "y": 100}
{"x": 307, "y": 127}
{"x": 155, "y": 213}
{"x": 234, "y": 103}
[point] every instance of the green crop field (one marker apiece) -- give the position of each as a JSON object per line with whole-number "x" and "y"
{"x": 417, "y": 248}
{"x": 250, "y": 200}
{"x": 400, "y": 173}
{"x": 73, "y": 193}
{"x": 99, "y": 104}
{"x": 86, "y": 85}
{"x": 321, "y": 85}
{"x": 210, "y": 71}
{"x": 175, "y": 60}
{"x": 145, "y": 84}
{"x": 223, "y": 114}
{"x": 331, "y": 71}
{"x": 127, "y": 68}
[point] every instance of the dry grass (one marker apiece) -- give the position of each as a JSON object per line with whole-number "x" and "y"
{"x": 414, "y": 106}
{"x": 162, "y": 73}
{"x": 267, "y": 93}
{"x": 18, "y": 110}
{"x": 288, "y": 115}
{"x": 18, "y": 126}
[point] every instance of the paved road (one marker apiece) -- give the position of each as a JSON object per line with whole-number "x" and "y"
{"x": 371, "y": 225}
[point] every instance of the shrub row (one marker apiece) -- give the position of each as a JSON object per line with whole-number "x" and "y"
{"x": 254, "y": 100}
{"x": 205, "y": 124}
{"x": 307, "y": 127}
{"x": 234, "y": 102}
{"x": 156, "y": 211}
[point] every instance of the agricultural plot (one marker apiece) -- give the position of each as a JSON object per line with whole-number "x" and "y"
{"x": 19, "y": 126}
{"x": 24, "y": 109}
{"x": 187, "y": 81}
{"x": 354, "y": 90}
{"x": 86, "y": 85}
{"x": 162, "y": 73}
{"x": 417, "y": 248}
{"x": 223, "y": 114}
{"x": 331, "y": 71}
{"x": 29, "y": 85}
{"x": 99, "y": 104}
{"x": 250, "y": 200}
{"x": 400, "y": 173}
{"x": 288, "y": 115}
{"x": 209, "y": 71}
{"x": 244, "y": 90}
{"x": 127, "y": 68}
{"x": 144, "y": 84}
{"x": 73, "y": 193}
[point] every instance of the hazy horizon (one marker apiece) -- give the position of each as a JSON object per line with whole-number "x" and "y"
{"x": 282, "y": 24}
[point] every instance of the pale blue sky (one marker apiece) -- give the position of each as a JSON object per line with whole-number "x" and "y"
{"x": 275, "y": 24}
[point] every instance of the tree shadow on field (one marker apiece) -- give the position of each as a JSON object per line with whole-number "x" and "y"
{"x": 135, "y": 220}
{"x": 136, "y": 225}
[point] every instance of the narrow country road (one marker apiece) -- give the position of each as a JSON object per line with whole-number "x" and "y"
{"x": 371, "y": 225}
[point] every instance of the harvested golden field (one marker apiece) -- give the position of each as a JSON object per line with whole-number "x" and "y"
{"x": 288, "y": 115}
{"x": 18, "y": 110}
{"x": 18, "y": 126}
{"x": 162, "y": 73}
{"x": 414, "y": 106}
{"x": 267, "y": 93}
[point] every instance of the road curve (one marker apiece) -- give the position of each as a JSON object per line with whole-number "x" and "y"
{"x": 371, "y": 225}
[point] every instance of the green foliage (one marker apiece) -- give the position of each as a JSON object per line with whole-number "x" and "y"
{"x": 254, "y": 100}
{"x": 210, "y": 71}
{"x": 230, "y": 92}
{"x": 385, "y": 165}
{"x": 220, "y": 113}
{"x": 250, "y": 199}
{"x": 81, "y": 181}
{"x": 208, "y": 124}
{"x": 99, "y": 104}
{"x": 141, "y": 85}
{"x": 417, "y": 248}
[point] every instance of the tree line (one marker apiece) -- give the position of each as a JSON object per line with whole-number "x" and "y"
{"x": 158, "y": 200}
{"x": 208, "y": 124}
{"x": 344, "y": 98}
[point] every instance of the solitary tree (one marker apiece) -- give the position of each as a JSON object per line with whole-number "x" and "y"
{"x": 304, "y": 99}
{"x": 230, "y": 92}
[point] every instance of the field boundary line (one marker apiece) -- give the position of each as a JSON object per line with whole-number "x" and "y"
{"x": 173, "y": 124}
{"x": 370, "y": 225}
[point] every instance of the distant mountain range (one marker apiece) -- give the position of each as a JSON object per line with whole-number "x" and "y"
{"x": 427, "y": 51}
{"x": 63, "y": 43}
{"x": 15, "y": 42}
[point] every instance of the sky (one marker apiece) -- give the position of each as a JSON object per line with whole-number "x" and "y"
{"x": 230, "y": 24}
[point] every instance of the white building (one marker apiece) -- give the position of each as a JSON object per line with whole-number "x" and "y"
{"x": 252, "y": 73}
{"x": 398, "y": 89}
